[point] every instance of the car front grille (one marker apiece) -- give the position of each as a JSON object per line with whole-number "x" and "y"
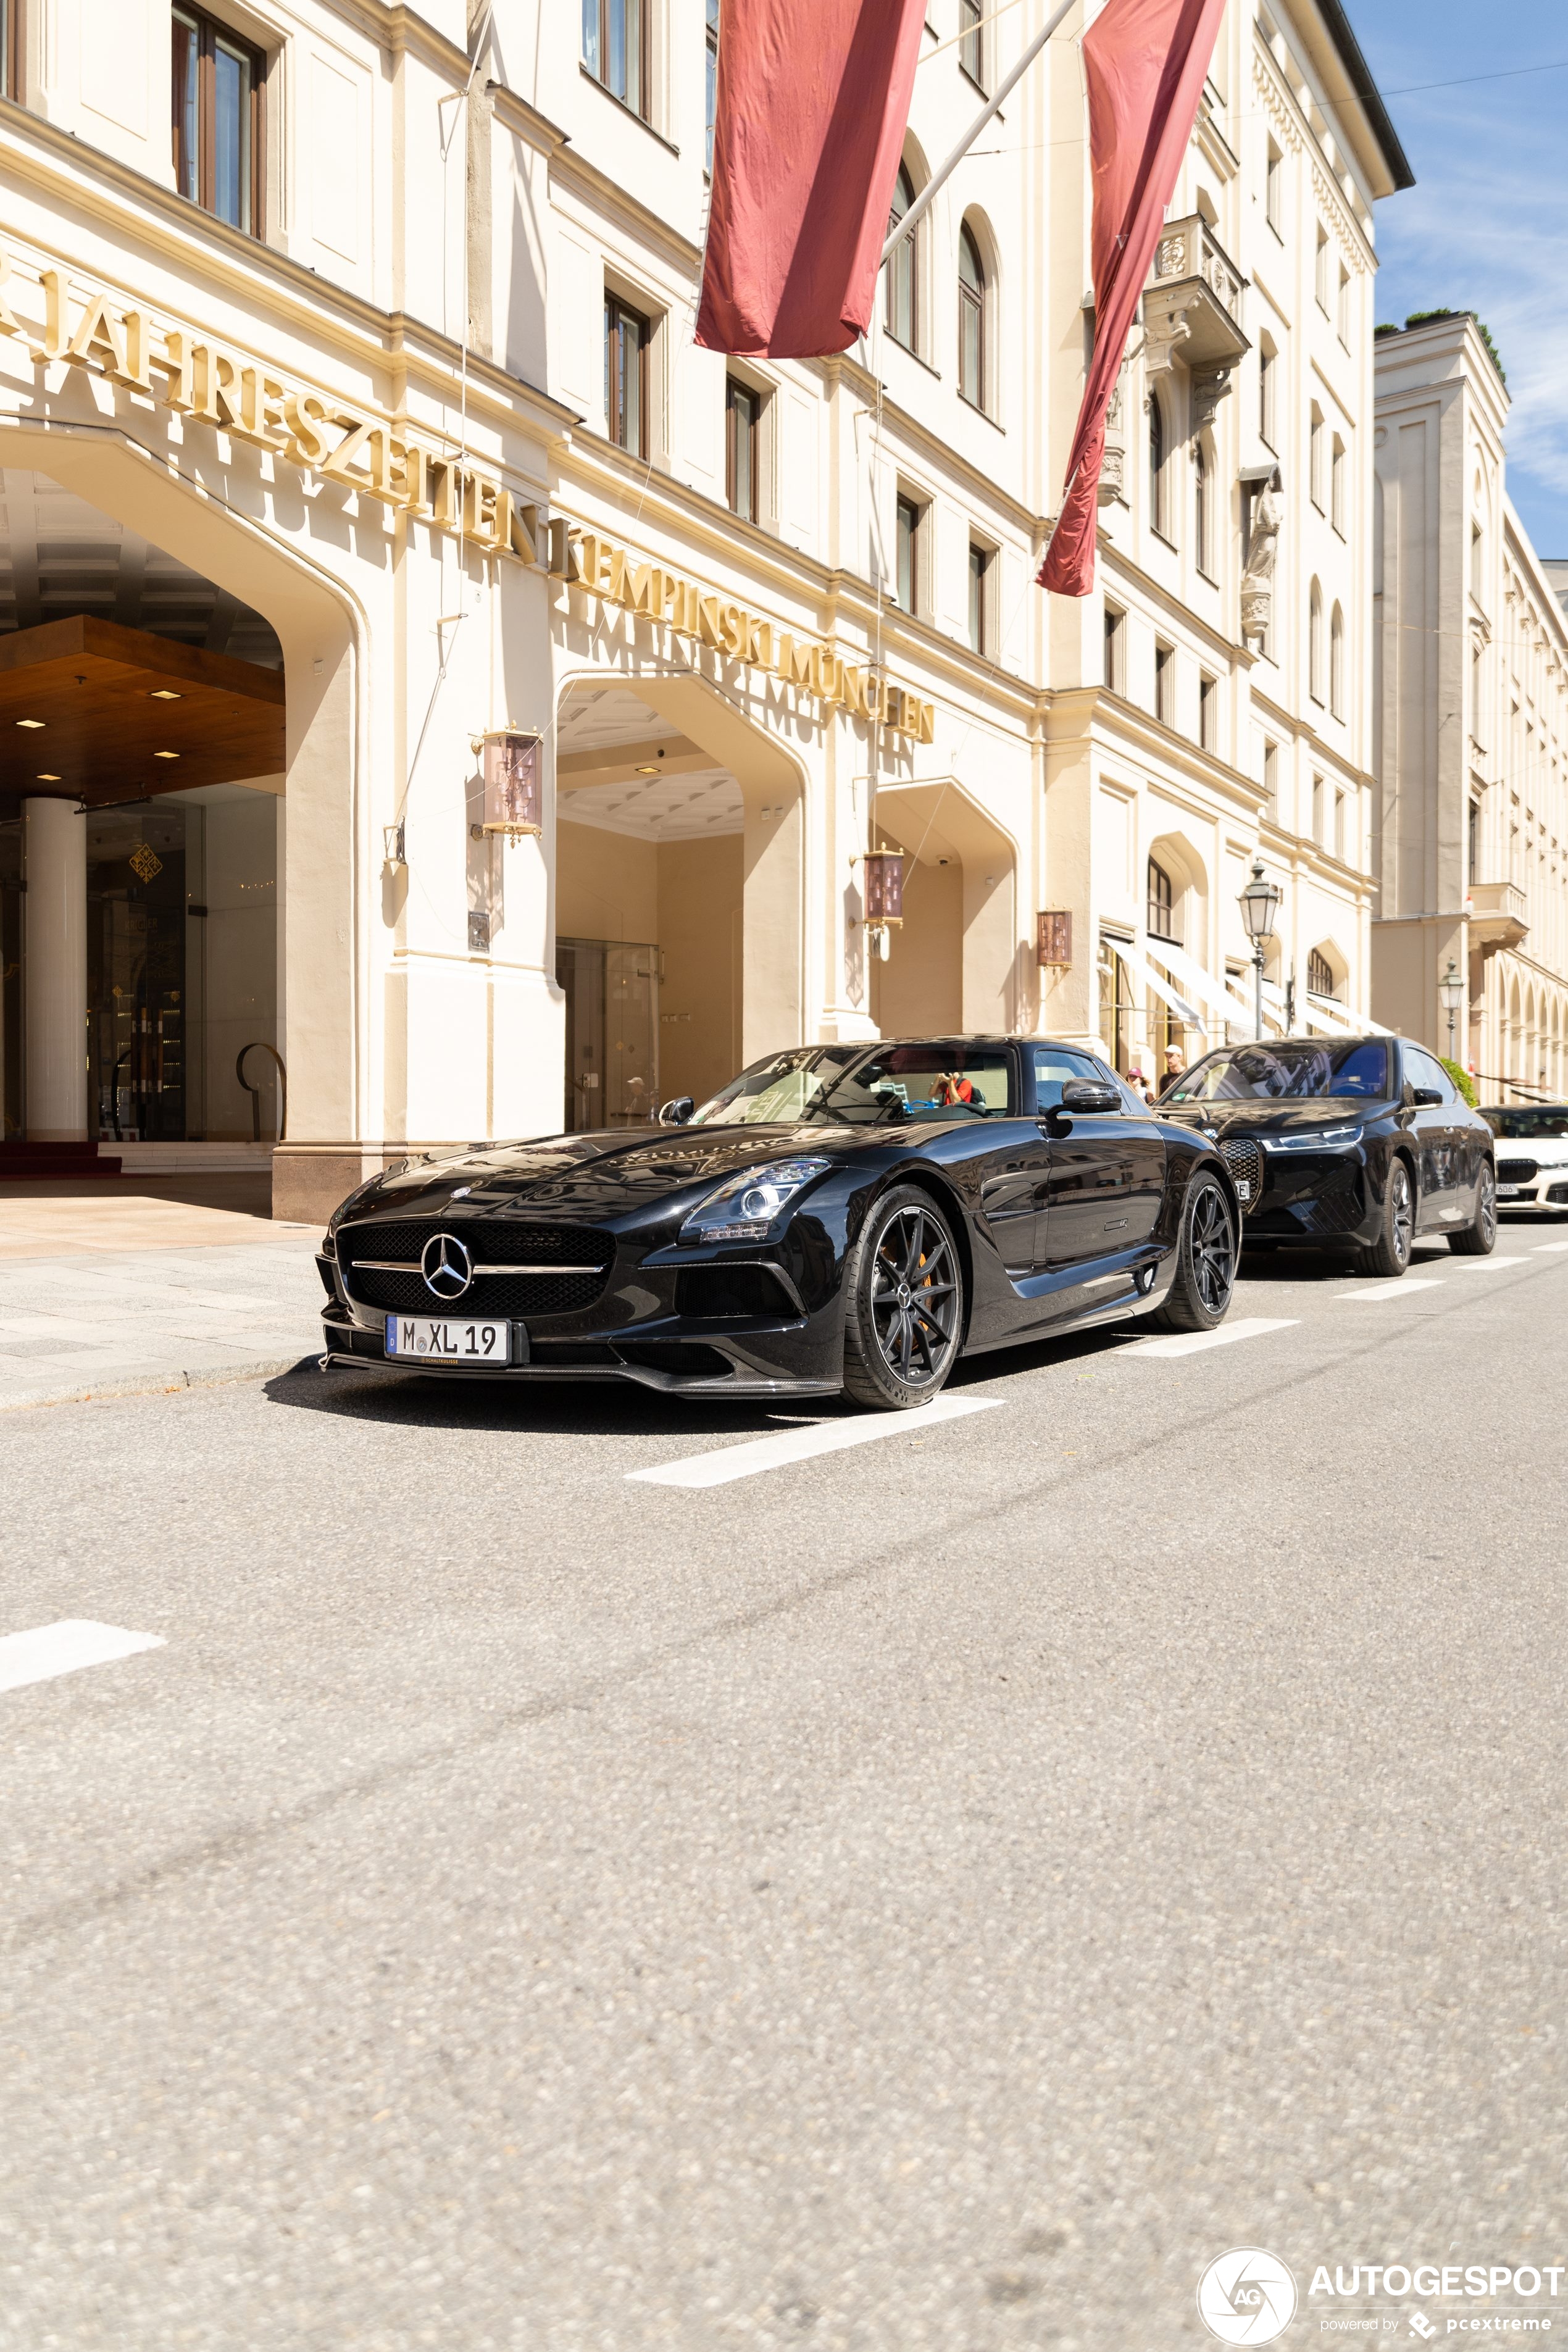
{"x": 1245, "y": 1161}
{"x": 1337, "y": 1209}
{"x": 1517, "y": 1172}
{"x": 396, "y": 1284}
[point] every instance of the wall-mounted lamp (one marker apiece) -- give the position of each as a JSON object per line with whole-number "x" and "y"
{"x": 883, "y": 893}
{"x": 392, "y": 844}
{"x": 513, "y": 770}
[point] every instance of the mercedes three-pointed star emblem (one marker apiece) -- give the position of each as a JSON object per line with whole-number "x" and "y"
{"x": 447, "y": 1266}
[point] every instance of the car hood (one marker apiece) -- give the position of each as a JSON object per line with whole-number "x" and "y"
{"x": 1229, "y": 1118}
{"x": 1546, "y": 1150}
{"x": 601, "y": 1174}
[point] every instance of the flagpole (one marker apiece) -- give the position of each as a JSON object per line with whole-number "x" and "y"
{"x": 922, "y": 202}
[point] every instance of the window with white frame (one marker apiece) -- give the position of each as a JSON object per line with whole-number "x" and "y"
{"x": 974, "y": 321}
{"x": 900, "y": 294}
{"x": 616, "y": 41}
{"x": 971, "y": 45}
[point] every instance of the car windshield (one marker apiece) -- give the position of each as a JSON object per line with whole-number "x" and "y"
{"x": 842, "y": 1086}
{"x": 1286, "y": 1072}
{"x": 1538, "y": 1124}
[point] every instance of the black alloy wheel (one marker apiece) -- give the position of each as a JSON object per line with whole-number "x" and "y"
{"x": 1390, "y": 1254}
{"x": 1479, "y": 1238}
{"x": 1199, "y": 1298}
{"x": 903, "y": 1303}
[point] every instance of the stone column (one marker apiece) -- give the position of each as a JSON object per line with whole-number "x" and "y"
{"x": 54, "y": 849}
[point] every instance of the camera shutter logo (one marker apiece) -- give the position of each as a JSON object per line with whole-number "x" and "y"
{"x": 447, "y": 1266}
{"x": 1247, "y": 2296}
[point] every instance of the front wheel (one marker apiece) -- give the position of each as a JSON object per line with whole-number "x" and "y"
{"x": 1390, "y": 1252}
{"x": 1200, "y": 1296}
{"x": 1479, "y": 1238}
{"x": 903, "y": 1303}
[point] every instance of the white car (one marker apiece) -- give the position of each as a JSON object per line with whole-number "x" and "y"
{"x": 1532, "y": 1156}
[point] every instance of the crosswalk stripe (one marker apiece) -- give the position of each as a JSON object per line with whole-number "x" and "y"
{"x": 1193, "y": 1343}
{"x": 728, "y": 1463}
{"x": 49, "y": 1650}
{"x": 1395, "y": 1289}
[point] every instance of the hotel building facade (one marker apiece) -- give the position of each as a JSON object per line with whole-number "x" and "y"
{"x": 350, "y": 413}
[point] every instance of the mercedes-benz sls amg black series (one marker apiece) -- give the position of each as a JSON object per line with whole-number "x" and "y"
{"x": 1363, "y": 1142}
{"x": 840, "y": 1217}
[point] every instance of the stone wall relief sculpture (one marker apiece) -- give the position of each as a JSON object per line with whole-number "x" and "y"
{"x": 1262, "y": 550}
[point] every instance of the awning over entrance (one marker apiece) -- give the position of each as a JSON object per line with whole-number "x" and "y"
{"x": 93, "y": 711}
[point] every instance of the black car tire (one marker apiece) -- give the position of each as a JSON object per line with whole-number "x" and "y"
{"x": 1479, "y": 1238}
{"x": 1390, "y": 1252}
{"x": 903, "y": 1303}
{"x": 1200, "y": 1296}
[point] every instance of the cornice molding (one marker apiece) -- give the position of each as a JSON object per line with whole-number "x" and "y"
{"x": 403, "y": 30}
{"x": 572, "y": 170}
{"x": 526, "y": 121}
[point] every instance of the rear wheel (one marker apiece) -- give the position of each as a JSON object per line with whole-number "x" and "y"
{"x": 1205, "y": 1263}
{"x": 1390, "y": 1254}
{"x": 1479, "y": 1238}
{"x": 903, "y": 1306}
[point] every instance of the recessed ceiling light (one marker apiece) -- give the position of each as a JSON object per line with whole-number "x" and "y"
{"x": 648, "y": 772}
{"x": 32, "y": 722}
{"x": 165, "y": 694}
{"x": 42, "y": 779}
{"x": 165, "y": 755}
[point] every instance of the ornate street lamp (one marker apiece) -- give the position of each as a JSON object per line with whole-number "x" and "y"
{"x": 1259, "y": 903}
{"x": 1451, "y": 989}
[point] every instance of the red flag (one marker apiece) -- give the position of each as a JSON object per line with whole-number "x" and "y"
{"x": 809, "y": 130}
{"x": 1145, "y": 61}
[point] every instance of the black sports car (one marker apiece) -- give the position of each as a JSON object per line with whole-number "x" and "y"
{"x": 851, "y": 1217}
{"x": 1365, "y": 1140}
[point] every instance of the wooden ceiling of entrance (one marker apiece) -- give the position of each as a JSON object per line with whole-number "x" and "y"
{"x": 111, "y": 704}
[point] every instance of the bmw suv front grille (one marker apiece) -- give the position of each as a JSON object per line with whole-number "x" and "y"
{"x": 559, "y": 1269}
{"x": 1245, "y": 1161}
{"x": 1517, "y": 1172}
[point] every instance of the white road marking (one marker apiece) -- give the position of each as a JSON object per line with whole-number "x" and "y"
{"x": 50, "y": 1650}
{"x": 1192, "y": 1343}
{"x": 759, "y": 1453}
{"x": 1399, "y": 1287}
{"x": 1548, "y": 1249}
{"x": 1485, "y": 1265}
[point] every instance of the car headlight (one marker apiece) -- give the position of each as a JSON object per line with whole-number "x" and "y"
{"x": 1320, "y": 1139}
{"x": 745, "y": 1208}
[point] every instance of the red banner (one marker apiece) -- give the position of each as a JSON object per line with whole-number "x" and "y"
{"x": 1144, "y": 62}
{"x": 808, "y": 131}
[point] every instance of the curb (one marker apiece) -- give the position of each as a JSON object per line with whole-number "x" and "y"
{"x": 163, "y": 1383}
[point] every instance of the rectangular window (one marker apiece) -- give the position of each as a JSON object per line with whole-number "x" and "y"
{"x": 1271, "y": 780}
{"x": 1337, "y": 486}
{"x": 712, "y": 95}
{"x": 1320, "y": 270}
{"x": 625, "y": 376}
{"x": 1165, "y": 684}
{"x": 1344, "y": 306}
{"x": 216, "y": 108}
{"x": 743, "y": 446}
{"x": 972, "y": 46}
{"x": 909, "y": 555}
{"x": 1208, "y": 713}
{"x": 1115, "y": 650}
{"x": 1274, "y": 190}
{"x": 1473, "y": 844}
{"x": 980, "y": 560}
{"x": 615, "y": 48}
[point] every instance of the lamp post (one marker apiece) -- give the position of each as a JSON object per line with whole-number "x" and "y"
{"x": 1451, "y": 989}
{"x": 1259, "y": 903}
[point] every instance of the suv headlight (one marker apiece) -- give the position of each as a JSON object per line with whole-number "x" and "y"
{"x": 745, "y": 1208}
{"x": 1316, "y": 1140}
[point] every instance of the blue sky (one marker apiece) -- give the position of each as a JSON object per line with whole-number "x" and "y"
{"x": 1486, "y": 227}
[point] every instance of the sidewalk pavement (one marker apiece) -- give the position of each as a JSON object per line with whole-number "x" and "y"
{"x": 107, "y": 1294}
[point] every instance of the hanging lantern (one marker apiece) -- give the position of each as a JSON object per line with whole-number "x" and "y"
{"x": 885, "y": 889}
{"x": 514, "y": 783}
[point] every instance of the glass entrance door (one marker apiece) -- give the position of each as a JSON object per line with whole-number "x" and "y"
{"x": 612, "y": 1032}
{"x": 138, "y": 1004}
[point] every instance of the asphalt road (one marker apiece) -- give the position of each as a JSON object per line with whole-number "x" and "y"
{"x": 936, "y": 1894}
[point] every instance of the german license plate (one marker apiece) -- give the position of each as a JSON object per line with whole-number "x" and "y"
{"x": 438, "y": 1340}
{"x": 1510, "y": 1192}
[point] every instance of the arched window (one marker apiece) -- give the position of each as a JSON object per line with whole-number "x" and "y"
{"x": 1161, "y": 903}
{"x": 901, "y": 299}
{"x": 1201, "y": 507}
{"x": 1337, "y": 663}
{"x": 1320, "y": 974}
{"x": 1315, "y": 644}
{"x": 972, "y": 308}
{"x": 1157, "y": 485}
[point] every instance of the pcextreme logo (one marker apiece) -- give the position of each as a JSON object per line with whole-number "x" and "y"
{"x": 1247, "y": 2297}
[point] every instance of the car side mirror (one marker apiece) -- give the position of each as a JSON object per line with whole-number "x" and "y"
{"x": 1087, "y": 1095}
{"x": 1424, "y": 1096}
{"x": 676, "y": 1111}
